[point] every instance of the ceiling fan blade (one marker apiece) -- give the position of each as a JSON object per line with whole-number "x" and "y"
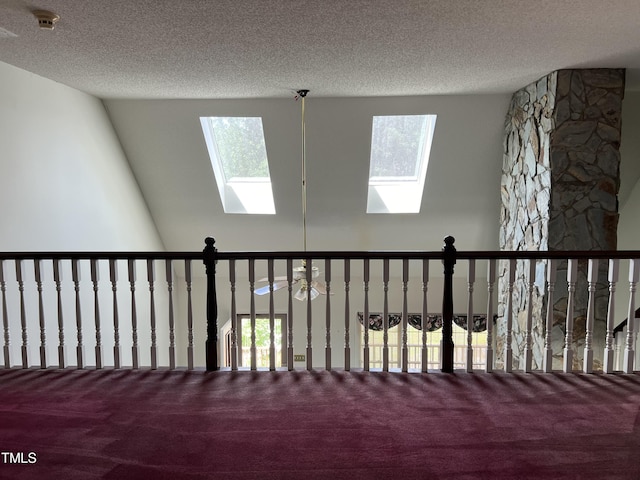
{"x": 275, "y": 279}
{"x": 322, "y": 289}
{"x": 276, "y": 286}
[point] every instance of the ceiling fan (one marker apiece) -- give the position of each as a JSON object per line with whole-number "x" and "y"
{"x": 299, "y": 275}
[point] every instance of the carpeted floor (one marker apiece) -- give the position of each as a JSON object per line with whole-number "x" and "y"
{"x": 318, "y": 425}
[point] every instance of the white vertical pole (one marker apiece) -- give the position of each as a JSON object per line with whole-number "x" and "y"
{"x": 592, "y": 278}
{"x": 95, "y": 277}
{"x": 365, "y": 317}
{"x": 551, "y": 282}
{"x": 327, "y": 279}
{"x": 425, "y": 313}
{"x": 572, "y": 274}
{"x": 43, "y": 339}
{"x": 272, "y": 344}
{"x": 609, "y": 339}
{"x": 57, "y": 278}
{"x": 471, "y": 278}
{"x": 23, "y": 315}
{"x": 252, "y": 313}
{"x": 491, "y": 280}
{"x": 172, "y": 326}
{"x": 151, "y": 277}
{"x": 385, "y": 315}
{"x": 187, "y": 279}
{"x": 234, "y": 316}
{"x": 134, "y": 316}
{"x": 5, "y": 317}
{"x": 113, "y": 274}
{"x": 629, "y": 353}
{"x": 508, "y": 353}
{"x": 405, "y": 314}
{"x": 347, "y": 315}
{"x": 528, "y": 348}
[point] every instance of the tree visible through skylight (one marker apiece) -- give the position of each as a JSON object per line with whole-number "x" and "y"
{"x": 400, "y": 147}
{"x": 238, "y": 155}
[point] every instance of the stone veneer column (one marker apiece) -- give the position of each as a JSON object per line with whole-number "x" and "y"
{"x": 560, "y": 180}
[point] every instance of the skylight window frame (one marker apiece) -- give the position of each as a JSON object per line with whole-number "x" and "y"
{"x": 236, "y": 199}
{"x": 411, "y": 187}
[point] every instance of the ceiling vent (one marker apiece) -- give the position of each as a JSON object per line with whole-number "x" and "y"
{"x": 46, "y": 20}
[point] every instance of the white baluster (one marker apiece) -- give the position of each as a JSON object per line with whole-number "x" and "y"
{"x": 327, "y": 280}
{"x": 43, "y": 339}
{"x": 290, "y": 357}
{"x": 134, "y": 314}
{"x": 551, "y": 282}
{"x": 309, "y": 277}
{"x": 609, "y": 339}
{"x": 113, "y": 274}
{"x": 75, "y": 276}
{"x": 572, "y": 276}
{"x": 491, "y": 280}
{"x": 95, "y": 277}
{"x": 365, "y": 318}
{"x": 187, "y": 278}
{"x": 471, "y": 278}
{"x": 405, "y": 314}
{"x": 252, "y": 312}
{"x": 592, "y": 278}
{"x": 528, "y": 340}
{"x": 57, "y": 278}
{"x": 272, "y": 344}
{"x": 629, "y": 353}
{"x": 23, "y": 315}
{"x": 347, "y": 315}
{"x": 508, "y": 352}
{"x": 385, "y": 315}
{"x": 234, "y": 316}
{"x": 5, "y": 318}
{"x": 172, "y": 327}
{"x": 151, "y": 278}
{"x": 425, "y": 313}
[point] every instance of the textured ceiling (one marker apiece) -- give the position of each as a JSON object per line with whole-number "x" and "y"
{"x": 267, "y": 48}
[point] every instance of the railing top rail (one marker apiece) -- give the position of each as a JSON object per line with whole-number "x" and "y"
{"x": 321, "y": 255}
{"x": 543, "y": 255}
{"x": 101, "y": 255}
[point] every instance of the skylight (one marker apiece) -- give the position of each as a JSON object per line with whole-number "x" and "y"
{"x": 400, "y": 147}
{"x": 239, "y": 158}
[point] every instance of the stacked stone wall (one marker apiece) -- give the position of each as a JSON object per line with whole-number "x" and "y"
{"x": 560, "y": 180}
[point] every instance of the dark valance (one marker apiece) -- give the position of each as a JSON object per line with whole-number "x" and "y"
{"x": 433, "y": 323}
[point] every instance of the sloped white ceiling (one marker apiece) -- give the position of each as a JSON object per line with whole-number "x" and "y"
{"x": 164, "y": 143}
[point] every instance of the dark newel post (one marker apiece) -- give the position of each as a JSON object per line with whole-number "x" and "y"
{"x": 211, "y": 347}
{"x": 449, "y": 261}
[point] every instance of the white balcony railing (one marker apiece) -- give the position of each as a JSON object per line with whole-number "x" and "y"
{"x": 152, "y": 310}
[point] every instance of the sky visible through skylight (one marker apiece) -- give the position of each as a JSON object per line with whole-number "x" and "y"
{"x": 400, "y": 147}
{"x": 238, "y": 155}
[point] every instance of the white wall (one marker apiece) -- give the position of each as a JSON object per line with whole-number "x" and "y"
{"x": 65, "y": 185}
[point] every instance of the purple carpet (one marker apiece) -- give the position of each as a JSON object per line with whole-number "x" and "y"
{"x": 317, "y": 425}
